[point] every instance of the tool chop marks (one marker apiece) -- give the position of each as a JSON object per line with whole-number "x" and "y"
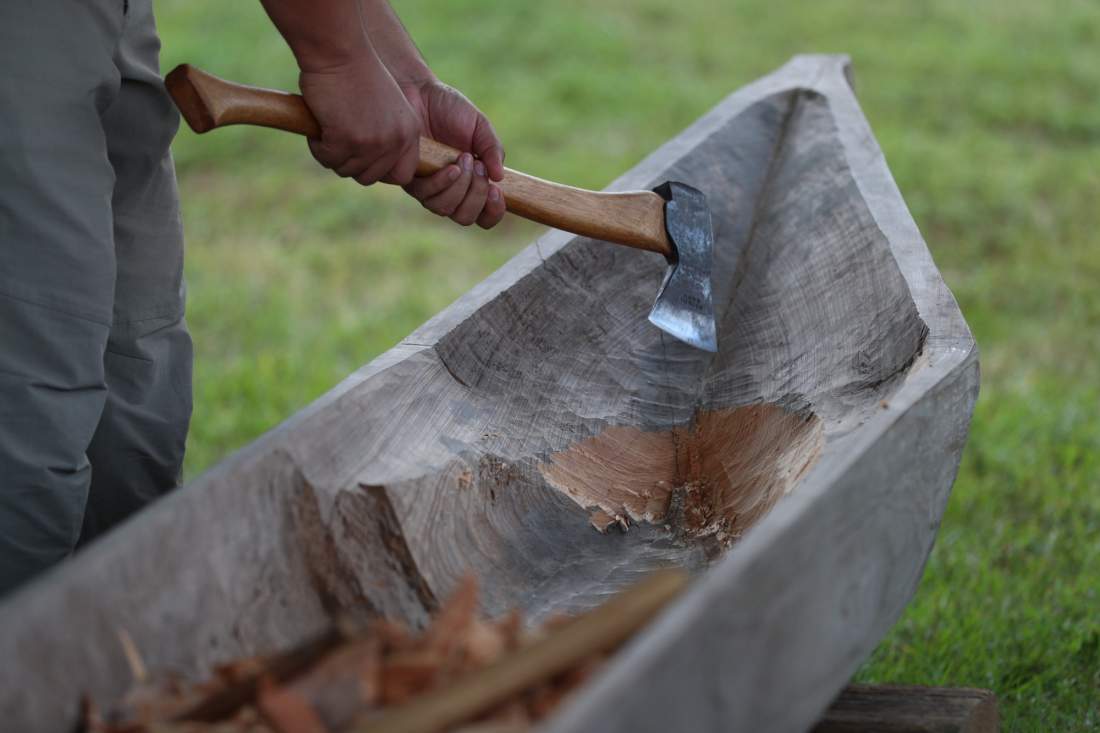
{"x": 715, "y": 477}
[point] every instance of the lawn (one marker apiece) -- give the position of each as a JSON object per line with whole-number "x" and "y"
{"x": 989, "y": 114}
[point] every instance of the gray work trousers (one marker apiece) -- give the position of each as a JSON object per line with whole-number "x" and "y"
{"x": 95, "y": 358}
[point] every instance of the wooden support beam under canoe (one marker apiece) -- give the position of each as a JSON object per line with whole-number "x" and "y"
{"x": 911, "y": 709}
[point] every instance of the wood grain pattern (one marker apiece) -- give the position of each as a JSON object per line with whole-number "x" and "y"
{"x": 911, "y": 709}
{"x": 433, "y": 460}
{"x": 631, "y": 218}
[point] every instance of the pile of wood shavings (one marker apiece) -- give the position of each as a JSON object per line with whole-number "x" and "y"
{"x": 338, "y": 686}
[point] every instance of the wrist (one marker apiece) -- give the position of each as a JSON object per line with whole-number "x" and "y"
{"x": 419, "y": 87}
{"x": 410, "y": 71}
{"x": 329, "y": 58}
{"x": 393, "y": 44}
{"x": 322, "y": 34}
{"x": 413, "y": 78}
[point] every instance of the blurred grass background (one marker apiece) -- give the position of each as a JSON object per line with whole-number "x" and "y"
{"x": 989, "y": 114}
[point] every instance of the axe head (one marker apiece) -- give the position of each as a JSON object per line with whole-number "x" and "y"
{"x": 684, "y": 308}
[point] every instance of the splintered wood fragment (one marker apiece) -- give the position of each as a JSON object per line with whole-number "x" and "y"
{"x": 90, "y": 719}
{"x": 599, "y": 630}
{"x": 601, "y": 520}
{"x": 287, "y": 711}
{"x": 510, "y": 629}
{"x": 513, "y": 712}
{"x": 911, "y": 709}
{"x": 406, "y": 674}
{"x": 133, "y": 656}
{"x": 370, "y": 673}
{"x": 454, "y": 617}
{"x": 391, "y": 634}
{"x": 344, "y": 683}
{"x": 494, "y": 727}
{"x": 246, "y": 720}
{"x": 484, "y": 644}
{"x": 224, "y": 701}
{"x": 546, "y": 698}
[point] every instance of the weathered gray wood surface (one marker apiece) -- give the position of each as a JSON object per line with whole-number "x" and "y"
{"x": 911, "y": 709}
{"x": 489, "y": 438}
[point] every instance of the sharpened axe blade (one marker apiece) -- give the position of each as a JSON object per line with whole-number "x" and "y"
{"x": 684, "y": 307}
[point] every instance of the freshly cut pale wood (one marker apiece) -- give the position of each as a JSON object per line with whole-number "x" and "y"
{"x": 911, "y": 709}
{"x": 805, "y": 466}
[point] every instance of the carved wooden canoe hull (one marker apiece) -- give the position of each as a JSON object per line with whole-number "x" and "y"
{"x": 801, "y": 472}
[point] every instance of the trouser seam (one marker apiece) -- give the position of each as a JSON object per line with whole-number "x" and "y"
{"x": 174, "y": 314}
{"x": 132, "y": 357}
{"x": 84, "y": 317}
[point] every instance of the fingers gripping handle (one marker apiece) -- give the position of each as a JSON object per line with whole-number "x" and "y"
{"x": 207, "y": 102}
{"x": 633, "y": 218}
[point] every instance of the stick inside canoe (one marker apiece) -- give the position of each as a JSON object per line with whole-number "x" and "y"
{"x": 599, "y": 630}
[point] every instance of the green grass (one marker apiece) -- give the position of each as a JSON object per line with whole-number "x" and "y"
{"x": 989, "y": 116}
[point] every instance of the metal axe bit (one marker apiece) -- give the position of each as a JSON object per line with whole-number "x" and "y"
{"x": 673, "y": 219}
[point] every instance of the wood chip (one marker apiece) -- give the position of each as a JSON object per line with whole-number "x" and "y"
{"x": 351, "y": 677}
{"x": 287, "y": 711}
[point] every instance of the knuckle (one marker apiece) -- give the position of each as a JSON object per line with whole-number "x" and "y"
{"x": 442, "y": 177}
{"x": 363, "y": 141}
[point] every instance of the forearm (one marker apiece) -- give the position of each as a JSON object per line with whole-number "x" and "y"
{"x": 393, "y": 45}
{"x": 322, "y": 34}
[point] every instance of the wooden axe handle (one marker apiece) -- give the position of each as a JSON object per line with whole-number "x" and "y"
{"x": 633, "y": 218}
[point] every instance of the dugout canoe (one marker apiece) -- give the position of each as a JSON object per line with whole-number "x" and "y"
{"x": 801, "y": 472}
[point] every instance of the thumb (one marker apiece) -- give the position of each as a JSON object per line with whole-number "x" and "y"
{"x": 325, "y": 155}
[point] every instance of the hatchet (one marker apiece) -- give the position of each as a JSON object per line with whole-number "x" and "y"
{"x": 673, "y": 219}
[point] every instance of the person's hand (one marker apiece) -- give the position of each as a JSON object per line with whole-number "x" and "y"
{"x": 462, "y": 191}
{"x": 369, "y": 131}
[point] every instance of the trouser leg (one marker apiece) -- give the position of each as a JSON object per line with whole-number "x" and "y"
{"x": 137, "y": 451}
{"x": 57, "y": 268}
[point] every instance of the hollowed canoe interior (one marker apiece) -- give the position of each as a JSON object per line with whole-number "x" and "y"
{"x": 557, "y": 445}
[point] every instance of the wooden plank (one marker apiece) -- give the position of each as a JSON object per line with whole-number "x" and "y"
{"x": 911, "y": 709}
